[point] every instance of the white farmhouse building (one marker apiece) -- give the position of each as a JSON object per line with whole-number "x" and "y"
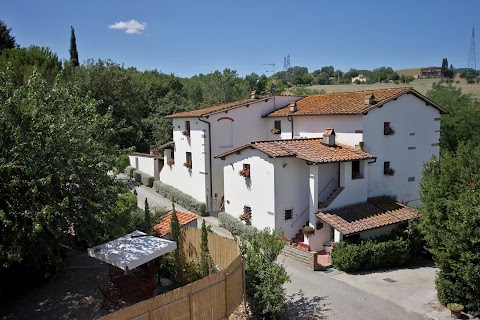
{"x": 199, "y": 135}
{"x": 346, "y": 163}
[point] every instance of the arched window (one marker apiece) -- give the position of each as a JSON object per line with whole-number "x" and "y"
{"x": 225, "y": 127}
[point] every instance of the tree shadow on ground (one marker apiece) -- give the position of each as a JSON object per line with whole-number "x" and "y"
{"x": 303, "y": 308}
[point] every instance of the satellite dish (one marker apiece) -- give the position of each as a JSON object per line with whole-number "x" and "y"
{"x": 273, "y": 86}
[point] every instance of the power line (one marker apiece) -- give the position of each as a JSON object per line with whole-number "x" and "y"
{"x": 472, "y": 58}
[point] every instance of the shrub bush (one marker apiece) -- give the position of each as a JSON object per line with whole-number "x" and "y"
{"x": 181, "y": 198}
{"x": 129, "y": 171}
{"x": 143, "y": 178}
{"x": 234, "y": 225}
{"x": 370, "y": 254}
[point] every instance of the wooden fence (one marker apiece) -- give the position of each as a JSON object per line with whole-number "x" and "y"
{"x": 213, "y": 297}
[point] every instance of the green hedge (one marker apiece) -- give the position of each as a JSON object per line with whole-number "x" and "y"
{"x": 181, "y": 198}
{"x": 143, "y": 178}
{"x": 234, "y": 225}
{"x": 370, "y": 254}
{"x": 129, "y": 171}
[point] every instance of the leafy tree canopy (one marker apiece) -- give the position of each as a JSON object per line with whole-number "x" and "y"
{"x": 22, "y": 62}
{"x": 54, "y": 159}
{"x": 450, "y": 192}
{"x": 461, "y": 122}
{"x": 7, "y": 41}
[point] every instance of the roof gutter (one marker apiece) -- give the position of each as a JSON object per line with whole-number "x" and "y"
{"x": 210, "y": 158}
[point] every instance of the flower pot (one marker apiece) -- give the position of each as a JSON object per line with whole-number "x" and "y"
{"x": 455, "y": 310}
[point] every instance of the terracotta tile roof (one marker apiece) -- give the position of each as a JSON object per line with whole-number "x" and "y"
{"x": 168, "y": 145}
{"x": 311, "y": 149}
{"x": 163, "y": 227}
{"x": 376, "y": 212}
{"x": 219, "y": 108}
{"x": 348, "y": 102}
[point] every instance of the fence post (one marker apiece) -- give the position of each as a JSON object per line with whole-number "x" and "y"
{"x": 244, "y": 289}
{"x": 226, "y": 295}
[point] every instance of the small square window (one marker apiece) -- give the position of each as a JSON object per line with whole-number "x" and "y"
{"x": 277, "y": 129}
{"x": 386, "y": 165}
{"x": 288, "y": 214}
{"x": 387, "y": 129}
{"x": 411, "y": 179}
{"x": 245, "y": 172}
{"x": 186, "y": 131}
{"x": 356, "y": 173}
{"x": 188, "y": 160}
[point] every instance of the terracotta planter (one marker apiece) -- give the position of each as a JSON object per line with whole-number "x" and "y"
{"x": 455, "y": 310}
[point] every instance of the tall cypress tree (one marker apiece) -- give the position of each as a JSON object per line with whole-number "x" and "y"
{"x": 73, "y": 49}
{"x": 176, "y": 235}
{"x": 148, "y": 221}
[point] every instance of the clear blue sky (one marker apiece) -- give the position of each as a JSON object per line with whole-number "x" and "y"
{"x": 191, "y": 37}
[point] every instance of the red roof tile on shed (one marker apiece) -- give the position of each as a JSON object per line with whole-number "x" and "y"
{"x": 163, "y": 227}
{"x": 376, "y": 212}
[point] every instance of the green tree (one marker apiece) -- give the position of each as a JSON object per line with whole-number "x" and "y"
{"x": 148, "y": 219}
{"x": 176, "y": 236}
{"x": 444, "y": 69}
{"x": 328, "y": 70}
{"x": 450, "y": 192}
{"x": 23, "y": 61}
{"x": 73, "y": 49}
{"x": 265, "y": 277}
{"x": 54, "y": 186}
{"x": 457, "y": 126}
{"x": 206, "y": 263}
{"x": 7, "y": 41}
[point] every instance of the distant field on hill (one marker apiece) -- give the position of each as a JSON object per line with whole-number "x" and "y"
{"x": 409, "y": 72}
{"x": 421, "y": 85}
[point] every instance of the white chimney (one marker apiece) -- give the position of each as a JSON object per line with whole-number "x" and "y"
{"x": 293, "y": 107}
{"x": 329, "y": 137}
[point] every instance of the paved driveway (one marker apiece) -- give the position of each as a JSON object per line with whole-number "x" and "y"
{"x": 407, "y": 293}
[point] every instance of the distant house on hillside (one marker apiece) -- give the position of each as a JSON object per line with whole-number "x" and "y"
{"x": 361, "y": 78}
{"x": 431, "y": 72}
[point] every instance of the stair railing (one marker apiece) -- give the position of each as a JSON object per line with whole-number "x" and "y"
{"x": 301, "y": 214}
{"x": 333, "y": 179}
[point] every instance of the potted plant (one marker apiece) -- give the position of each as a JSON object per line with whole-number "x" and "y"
{"x": 245, "y": 173}
{"x": 186, "y": 132}
{"x": 308, "y": 231}
{"x": 188, "y": 165}
{"x": 356, "y": 175}
{"x": 389, "y": 172}
{"x": 388, "y": 131}
{"x": 276, "y": 131}
{"x": 456, "y": 310}
{"x": 171, "y": 162}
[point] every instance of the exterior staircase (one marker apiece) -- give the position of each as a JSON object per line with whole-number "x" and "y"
{"x": 298, "y": 237}
{"x": 330, "y": 198}
{"x": 300, "y": 255}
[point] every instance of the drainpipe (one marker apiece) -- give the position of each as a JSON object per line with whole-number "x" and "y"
{"x": 290, "y": 118}
{"x": 210, "y": 160}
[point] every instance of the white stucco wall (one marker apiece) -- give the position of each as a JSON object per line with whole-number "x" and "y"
{"x": 190, "y": 181}
{"x": 355, "y": 189}
{"x": 256, "y": 192}
{"x": 314, "y": 126}
{"x": 415, "y": 128}
{"x": 247, "y": 125}
{"x": 291, "y": 192}
{"x": 146, "y": 163}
